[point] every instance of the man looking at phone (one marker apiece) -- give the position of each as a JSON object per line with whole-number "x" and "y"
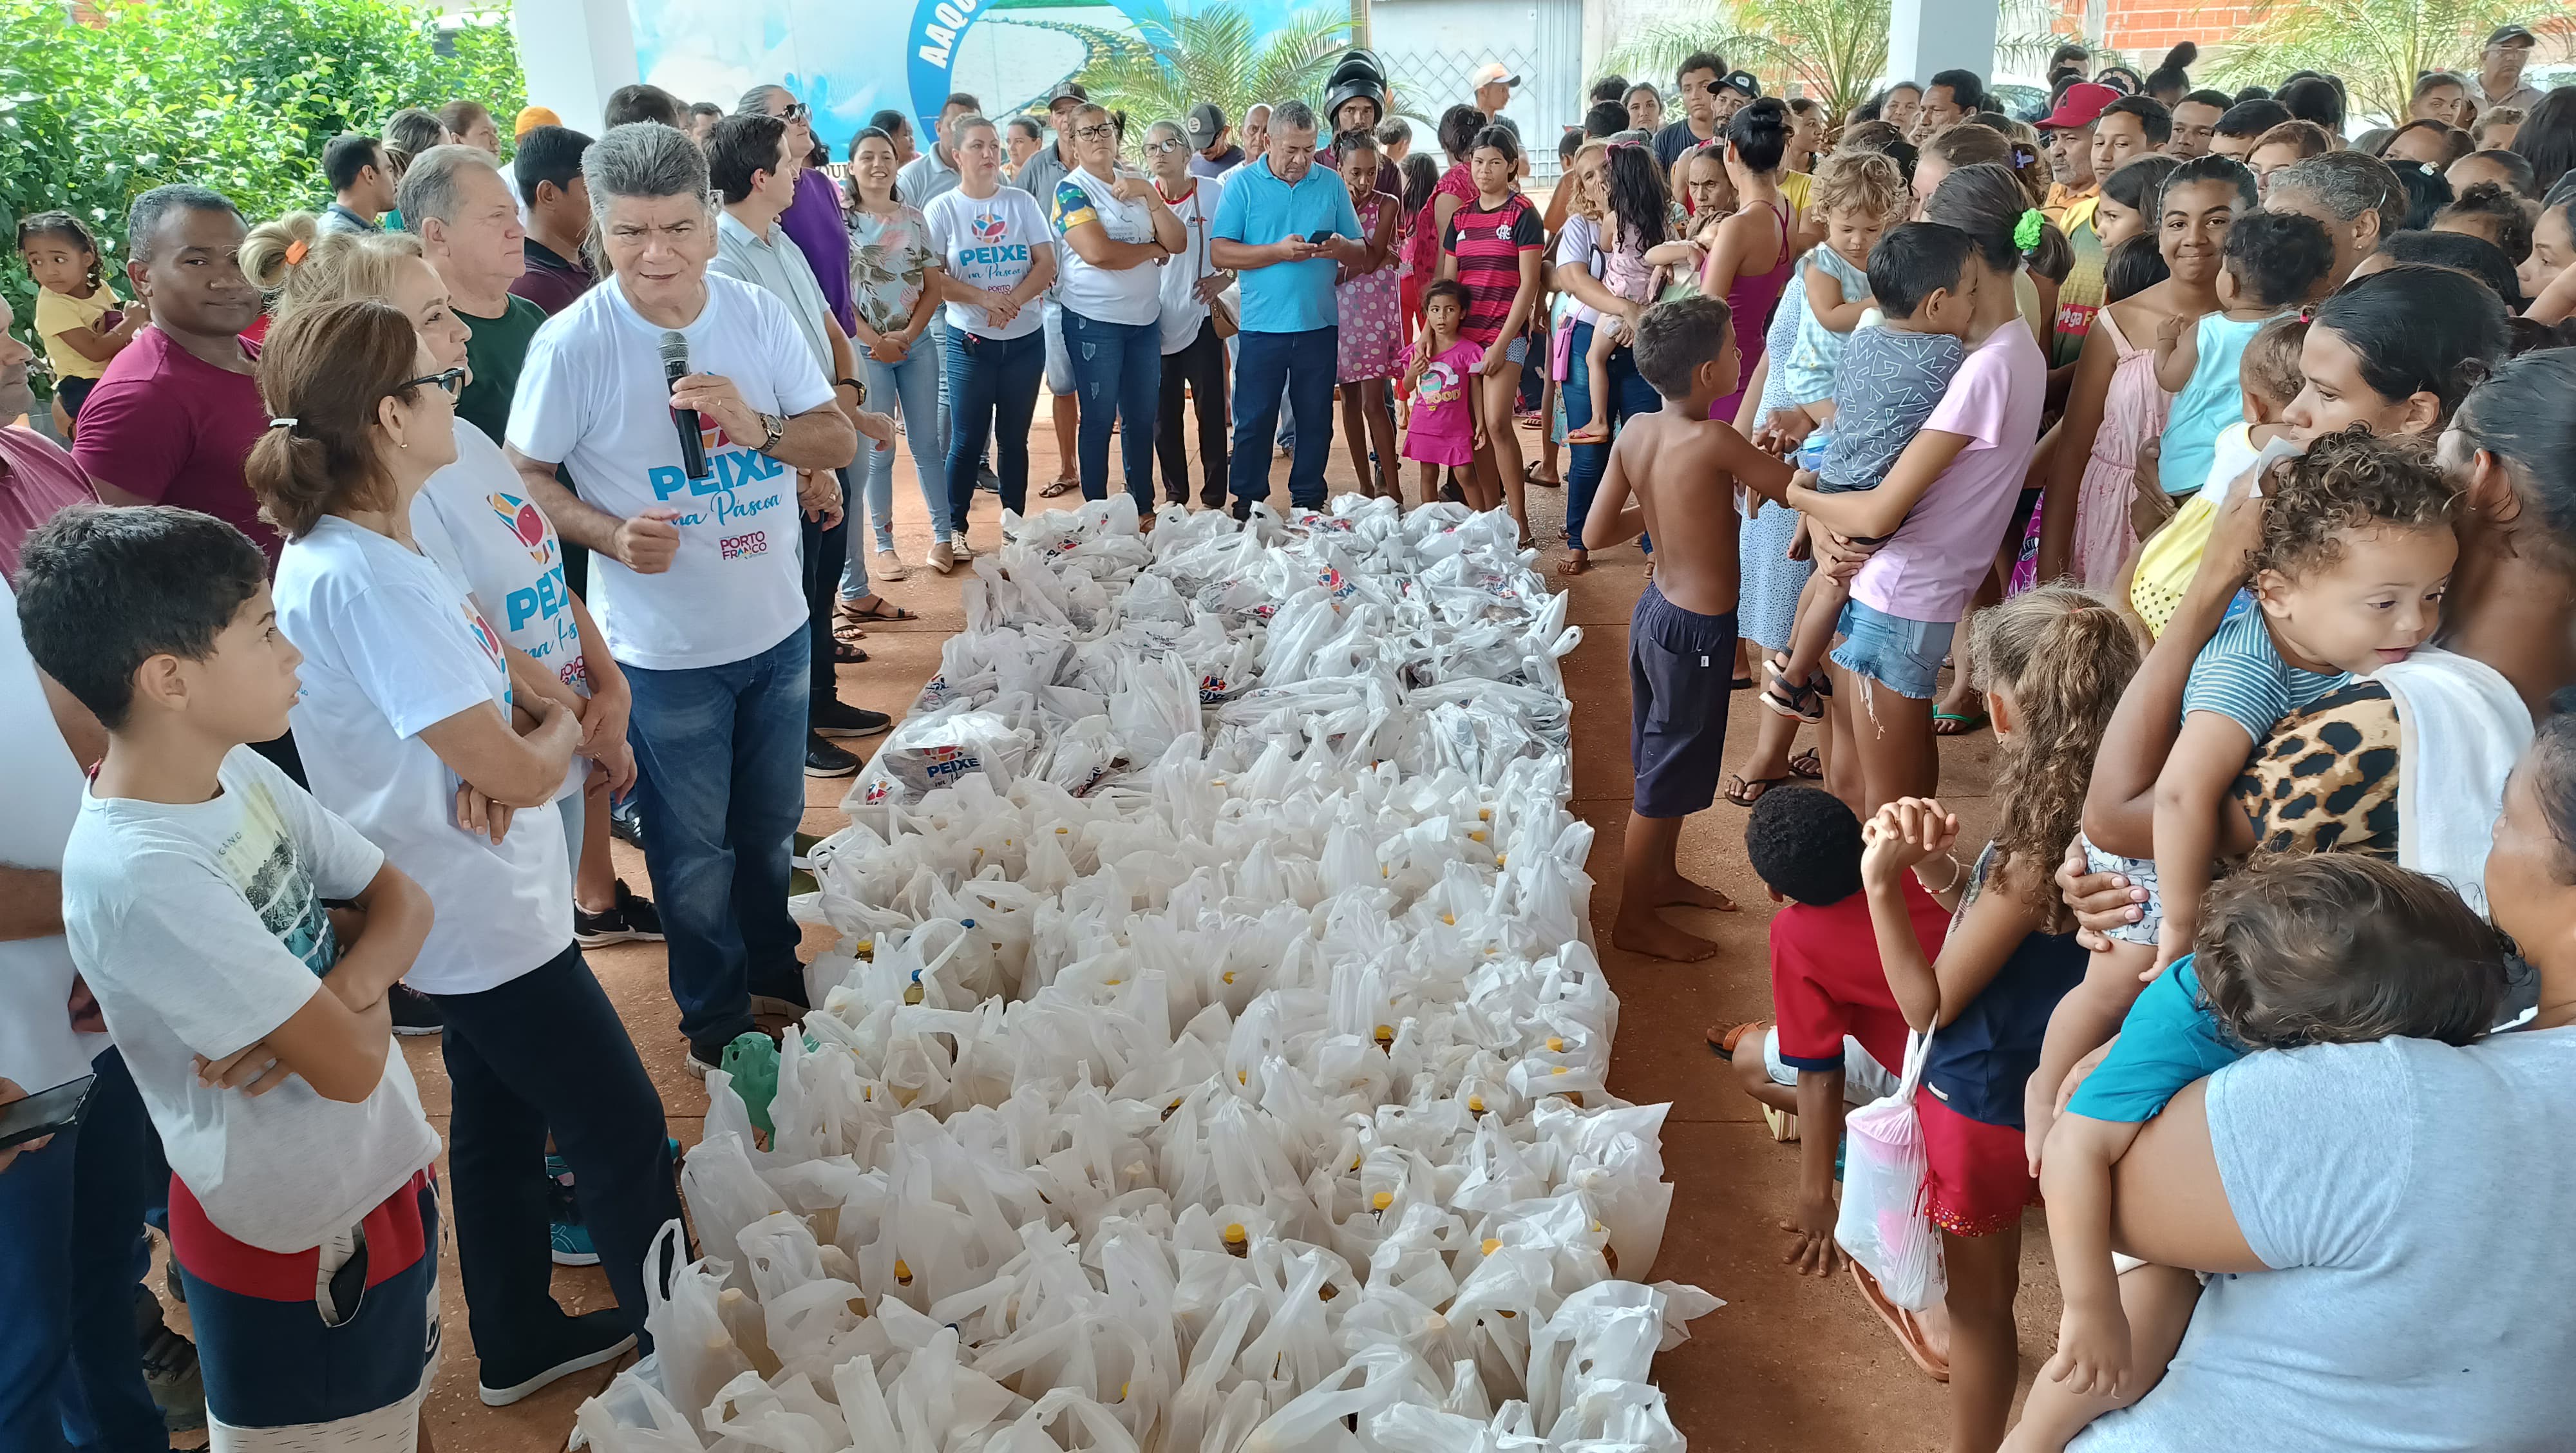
{"x": 1285, "y": 225}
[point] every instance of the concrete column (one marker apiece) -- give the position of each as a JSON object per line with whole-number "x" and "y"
{"x": 1924, "y": 36}
{"x": 574, "y": 53}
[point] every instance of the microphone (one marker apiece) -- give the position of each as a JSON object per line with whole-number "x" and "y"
{"x": 675, "y": 366}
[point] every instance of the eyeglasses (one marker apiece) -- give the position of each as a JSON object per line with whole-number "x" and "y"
{"x": 1095, "y": 132}
{"x": 451, "y": 380}
{"x": 1163, "y": 148}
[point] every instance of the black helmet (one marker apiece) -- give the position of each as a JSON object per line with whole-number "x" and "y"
{"x": 1357, "y": 62}
{"x": 1355, "y": 89}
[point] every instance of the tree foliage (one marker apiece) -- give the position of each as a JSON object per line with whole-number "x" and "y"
{"x": 1208, "y": 55}
{"x": 2379, "y": 47}
{"x": 237, "y": 95}
{"x": 1834, "y": 50}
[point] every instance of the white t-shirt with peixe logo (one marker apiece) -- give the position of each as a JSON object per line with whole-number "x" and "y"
{"x": 475, "y": 519}
{"x": 989, "y": 243}
{"x": 592, "y": 397}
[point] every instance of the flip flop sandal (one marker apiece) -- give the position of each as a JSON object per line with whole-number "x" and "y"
{"x": 883, "y": 610}
{"x": 1959, "y": 723}
{"x": 844, "y": 631}
{"x": 1745, "y": 792}
{"x": 1057, "y": 487}
{"x": 1807, "y": 766}
{"x": 845, "y": 654}
{"x": 1577, "y": 563}
{"x": 1722, "y": 1042}
{"x": 1907, "y": 1327}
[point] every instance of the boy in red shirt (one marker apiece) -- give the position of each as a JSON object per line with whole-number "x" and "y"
{"x": 1840, "y": 1035}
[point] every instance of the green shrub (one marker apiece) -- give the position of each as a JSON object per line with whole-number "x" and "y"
{"x": 237, "y": 95}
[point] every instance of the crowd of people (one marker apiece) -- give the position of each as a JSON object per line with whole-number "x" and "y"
{"x": 409, "y": 548}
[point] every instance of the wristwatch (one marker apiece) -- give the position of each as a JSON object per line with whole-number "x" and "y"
{"x": 773, "y": 429}
{"x": 852, "y": 383}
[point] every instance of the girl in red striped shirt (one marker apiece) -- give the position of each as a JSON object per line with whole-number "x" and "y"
{"x": 1492, "y": 247}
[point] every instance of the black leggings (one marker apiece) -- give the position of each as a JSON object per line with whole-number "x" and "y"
{"x": 1200, "y": 367}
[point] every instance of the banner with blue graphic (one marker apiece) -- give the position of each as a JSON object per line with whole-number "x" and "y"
{"x": 847, "y": 64}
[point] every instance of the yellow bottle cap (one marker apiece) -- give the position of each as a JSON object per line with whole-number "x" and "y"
{"x": 1234, "y": 1232}
{"x": 902, "y": 1273}
{"x": 1382, "y": 1200}
{"x": 1475, "y": 1104}
{"x": 1555, "y": 1045}
{"x": 1493, "y": 1244}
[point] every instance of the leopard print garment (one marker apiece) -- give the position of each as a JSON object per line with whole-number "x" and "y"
{"x": 2326, "y": 779}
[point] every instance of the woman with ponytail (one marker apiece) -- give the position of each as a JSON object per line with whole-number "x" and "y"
{"x": 2052, "y": 663}
{"x": 2167, "y": 82}
{"x": 1942, "y": 513}
{"x": 1749, "y": 258}
{"x": 417, "y": 726}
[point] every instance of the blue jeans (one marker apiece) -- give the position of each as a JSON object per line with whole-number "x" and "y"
{"x": 1305, "y": 363}
{"x": 913, "y": 386}
{"x": 719, "y": 752}
{"x": 545, "y": 1052}
{"x": 1117, "y": 367}
{"x": 71, "y": 1257}
{"x": 1629, "y": 395}
{"x": 992, "y": 393}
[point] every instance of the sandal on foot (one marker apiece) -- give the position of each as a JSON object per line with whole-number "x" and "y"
{"x": 1057, "y": 487}
{"x": 1807, "y": 766}
{"x": 1745, "y": 791}
{"x": 1907, "y": 1327}
{"x": 1577, "y": 563}
{"x": 883, "y": 610}
{"x": 845, "y": 654}
{"x": 1722, "y": 1039}
{"x": 1798, "y": 703}
{"x": 1956, "y": 723}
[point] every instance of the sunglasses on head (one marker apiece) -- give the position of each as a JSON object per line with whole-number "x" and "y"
{"x": 452, "y": 381}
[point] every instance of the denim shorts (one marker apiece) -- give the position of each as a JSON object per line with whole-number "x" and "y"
{"x": 1903, "y": 656}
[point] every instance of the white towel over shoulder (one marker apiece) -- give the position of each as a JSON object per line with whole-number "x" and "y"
{"x": 2461, "y": 727}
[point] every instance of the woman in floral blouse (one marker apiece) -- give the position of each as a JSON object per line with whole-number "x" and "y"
{"x": 890, "y": 258}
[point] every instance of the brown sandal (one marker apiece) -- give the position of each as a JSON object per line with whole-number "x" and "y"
{"x": 1577, "y": 563}
{"x": 883, "y": 610}
{"x": 1907, "y": 1327}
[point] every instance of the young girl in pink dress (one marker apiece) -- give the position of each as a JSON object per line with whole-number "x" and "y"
{"x": 1372, "y": 319}
{"x": 1441, "y": 382}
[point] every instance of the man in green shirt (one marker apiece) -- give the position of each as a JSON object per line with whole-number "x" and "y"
{"x": 468, "y": 223}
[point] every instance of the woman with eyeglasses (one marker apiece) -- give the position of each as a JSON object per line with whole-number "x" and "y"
{"x": 1117, "y": 235}
{"x": 1193, "y": 351}
{"x": 813, "y": 220}
{"x": 429, "y": 736}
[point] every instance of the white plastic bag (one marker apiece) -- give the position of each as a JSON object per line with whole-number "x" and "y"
{"x": 1883, "y": 1223}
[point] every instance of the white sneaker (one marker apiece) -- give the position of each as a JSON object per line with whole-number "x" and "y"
{"x": 890, "y": 566}
{"x": 942, "y": 557}
{"x": 960, "y": 549}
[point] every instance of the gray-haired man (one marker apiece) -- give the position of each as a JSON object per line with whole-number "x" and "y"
{"x": 468, "y": 223}
{"x": 699, "y": 588}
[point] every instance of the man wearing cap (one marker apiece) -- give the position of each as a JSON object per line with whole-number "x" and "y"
{"x": 1738, "y": 90}
{"x": 1211, "y": 141}
{"x": 1494, "y": 84}
{"x": 2068, "y": 134}
{"x": 1697, "y": 78}
{"x": 934, "y": 172}
{"x": 1038, "y": 177}
{"x": 2500, "y": 71}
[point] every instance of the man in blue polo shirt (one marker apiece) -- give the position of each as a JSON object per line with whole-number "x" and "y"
{"x": 1285, "y": 225}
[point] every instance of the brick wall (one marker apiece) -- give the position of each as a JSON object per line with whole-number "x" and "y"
{"x": 2146, "y": 29}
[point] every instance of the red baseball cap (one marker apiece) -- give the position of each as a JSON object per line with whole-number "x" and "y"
{"x": 2082, "y": 105}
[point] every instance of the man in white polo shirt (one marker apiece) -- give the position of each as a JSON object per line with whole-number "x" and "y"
{"x": 697, "y": 581}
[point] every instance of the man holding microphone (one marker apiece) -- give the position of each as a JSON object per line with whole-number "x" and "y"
{"x": 698, "y": 583}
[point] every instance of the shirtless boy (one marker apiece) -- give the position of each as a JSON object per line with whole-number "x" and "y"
{"x": 1683, "y": 469}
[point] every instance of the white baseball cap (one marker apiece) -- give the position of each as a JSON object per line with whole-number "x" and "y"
{"x": 1494, "y": 73}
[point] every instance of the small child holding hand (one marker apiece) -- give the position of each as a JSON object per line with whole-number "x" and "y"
{"x": 1442, "y": 428}
{"x": 2334, "y": 948}
{"x": 2271, "y": 261}
{"x": 1892, "y": 379}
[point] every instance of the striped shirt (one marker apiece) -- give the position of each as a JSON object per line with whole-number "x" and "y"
{"x": 1488, "y": 245}
{"x": 2240, "y": 675}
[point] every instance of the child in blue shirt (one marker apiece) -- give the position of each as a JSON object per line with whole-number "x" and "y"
{"x": 2272, "y": 262}
{"x": 2334, "y": 948}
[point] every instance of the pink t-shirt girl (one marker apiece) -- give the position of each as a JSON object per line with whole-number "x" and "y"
{"x": 1443, "y": 430}
{"x": 1929, "y": 569}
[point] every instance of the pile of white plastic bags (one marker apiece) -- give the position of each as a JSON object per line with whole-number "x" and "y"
{"x": 1214, "y": 1055}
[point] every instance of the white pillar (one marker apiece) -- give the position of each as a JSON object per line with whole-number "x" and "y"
{"x": 574, "y": 52}
{"x": 1924, "y": 36}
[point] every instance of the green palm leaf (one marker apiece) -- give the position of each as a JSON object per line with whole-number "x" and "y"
{"x": 1208, "y": 55}
{"x": 2379, "y": 47}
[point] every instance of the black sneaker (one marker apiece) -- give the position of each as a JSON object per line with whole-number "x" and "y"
{"x": 832, "y": 718}
{"x": 629, "y": 920}
{"x": 178, "y": 1389}
{"x": 625, "y": 823}
{"x": 579, "y": 1342}
{"x": 822, "y": 759}
{"x": 987, "y": 481}
{"x": 415, "y": 1013}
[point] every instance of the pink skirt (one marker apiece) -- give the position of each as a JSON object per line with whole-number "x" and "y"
{"x": 1439, "y": 446}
